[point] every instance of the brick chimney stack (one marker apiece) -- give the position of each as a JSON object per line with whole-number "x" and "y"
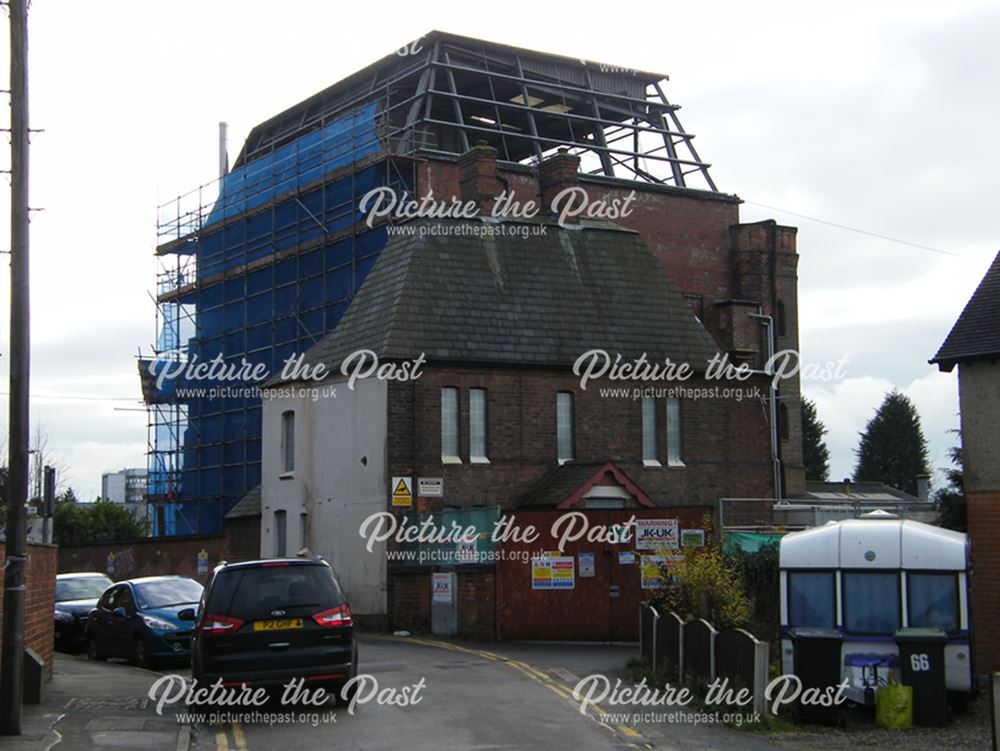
{"x": 477, "y": 169}
{"x": 556, "y": 174}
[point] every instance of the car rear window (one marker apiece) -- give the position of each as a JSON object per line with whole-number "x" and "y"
{"x": 81, "y": 588}
{"x": 249, "y": 593}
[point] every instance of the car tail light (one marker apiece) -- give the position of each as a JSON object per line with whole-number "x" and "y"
{"x": 338, "y": 616}
{"x": 219, "y": 624}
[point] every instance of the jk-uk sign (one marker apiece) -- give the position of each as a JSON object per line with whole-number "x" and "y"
{"x": 655, "y": 534}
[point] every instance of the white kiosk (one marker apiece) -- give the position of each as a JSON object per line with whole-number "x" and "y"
{"x": 868, "y": 577}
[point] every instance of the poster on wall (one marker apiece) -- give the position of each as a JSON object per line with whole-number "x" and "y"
{"x": 626, "y": 557}
{"x": 553, "y": 573}
{"x": 654, "y": 534}
{"x": 442, "y": 587}
{"x": 651, "y": 569}
{"x": 692, "y": 538}
{"x": 587, "y": 567}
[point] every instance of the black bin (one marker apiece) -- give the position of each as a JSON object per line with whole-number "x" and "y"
{"x": 817, "y": 661}
{"x": 921, "y": 660}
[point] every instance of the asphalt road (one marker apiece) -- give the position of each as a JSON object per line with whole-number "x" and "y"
{"x": 494, "y": 697}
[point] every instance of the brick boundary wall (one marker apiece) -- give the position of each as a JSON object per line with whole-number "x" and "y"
{"x": 39, "y": 622}
{"x": 984, "y": 529}
{"x": 149, "y": 556}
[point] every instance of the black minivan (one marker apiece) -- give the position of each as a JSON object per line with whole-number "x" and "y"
{"x": 265, "y": 623}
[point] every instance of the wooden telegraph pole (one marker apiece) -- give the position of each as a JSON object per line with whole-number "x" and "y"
{"x": 12, "y": 655}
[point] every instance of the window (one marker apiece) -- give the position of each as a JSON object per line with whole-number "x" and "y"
{"x": 783, "y": 421}
{"x": 449, "y": 424}
{"x": 932, "y": 600}
{"x": 288, "y": 441}
{"x": 477, "y": 426}
{"x": 674, "y": 433}
{"x": 871, "y": 603}
{"x": 303, "y": 530}
{"x": 280, "y": 534}
{"x": 782, "y": 327}
{"x": 564, "y": 426}
{"x": 811, "y": 599}
{"x": 650, "y": 453}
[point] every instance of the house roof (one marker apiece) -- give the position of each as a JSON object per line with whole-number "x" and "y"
{"x": 249, "y": 505}
{"x": 976, "y": 333}
{"x": 567, "y": 484}
{"x": 453, "y": 295}
{"x": 857, "y": 492}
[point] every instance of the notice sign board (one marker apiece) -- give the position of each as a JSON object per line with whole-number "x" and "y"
{"x": 651, "y": 569}
{"x": 442, "y": 590}
{"x": 654, "y": 534}
{"x": 587, "y": 567}
{"x": 430, "y": 487}
{"x": 553, "y": 573}
{"x": 402, "y": 492}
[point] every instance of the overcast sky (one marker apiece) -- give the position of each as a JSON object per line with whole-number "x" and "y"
{"x": 877, "y": 116}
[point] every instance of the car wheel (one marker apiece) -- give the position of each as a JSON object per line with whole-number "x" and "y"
{"x": 93, "y": 653}
{"x": 139, "y": 658}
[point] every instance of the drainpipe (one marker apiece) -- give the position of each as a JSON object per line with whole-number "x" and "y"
{"x": 775, "y": 446}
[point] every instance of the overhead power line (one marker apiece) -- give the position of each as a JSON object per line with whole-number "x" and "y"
{"x": 857, "y": 230}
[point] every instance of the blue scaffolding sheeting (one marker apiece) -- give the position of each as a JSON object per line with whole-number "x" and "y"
{"x": 277, "y": 259}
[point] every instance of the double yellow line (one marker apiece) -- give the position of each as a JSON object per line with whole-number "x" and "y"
{"x": 222, "y": 739}
{"x": 598, "y": 713}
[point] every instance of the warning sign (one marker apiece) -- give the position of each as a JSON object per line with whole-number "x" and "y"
{"x": 203, "y": 561}
{"x": 442, "y": 587}
{"x": 653, "y": 534}
{"x": 553, "y": 573}
{"x": 402, "y": 492}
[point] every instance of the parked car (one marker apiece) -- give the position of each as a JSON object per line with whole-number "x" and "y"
{"x": 76, "y": 596}
{"x": 138, "y": 619}
{"x": 264, "y": 623}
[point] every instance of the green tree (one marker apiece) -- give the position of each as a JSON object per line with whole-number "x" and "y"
{"x": 951, "y": 498}
{"x": 100, "y": 521}
{"x": 815, "y": 455}
{"x": 892, "y": 448}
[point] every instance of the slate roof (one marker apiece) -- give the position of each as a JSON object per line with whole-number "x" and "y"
{"x": 861, "y": 492}
{"x": 976, "y": 333}
{"x": 249, "y": 505}
{"x": 542, "y": 300}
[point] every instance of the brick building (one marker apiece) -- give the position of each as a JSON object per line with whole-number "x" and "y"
{"x": 498, "y": 316}
{"x": 974, "y": 346}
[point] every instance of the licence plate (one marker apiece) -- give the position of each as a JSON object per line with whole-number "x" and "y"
{"x": 278, "y": 624}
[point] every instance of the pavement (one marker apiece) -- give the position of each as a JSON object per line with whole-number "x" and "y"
{"x": 98, "y": 705}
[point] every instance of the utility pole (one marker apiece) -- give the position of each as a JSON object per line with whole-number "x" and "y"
{"x": 12, "y": 674}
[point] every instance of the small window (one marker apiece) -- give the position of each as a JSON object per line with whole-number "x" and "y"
{"x": 932, "y": 600}
{"x": 871, "y": 603}
{"x": 280, "y": 534}
{"x": 650, "y": 449}
{"x": 564, "y": 426}
{"x": 303, "y": 530}
{"x": 812, "y": 601}
{"x": 449, "y": 424}
{"x": 780, "y": 315}
{"x": 288, "y": 441}
{"x": 477, "y": 426}
{"x": 674, "y": 434}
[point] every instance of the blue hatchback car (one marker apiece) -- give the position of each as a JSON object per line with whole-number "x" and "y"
{"x": 137, "y": 619}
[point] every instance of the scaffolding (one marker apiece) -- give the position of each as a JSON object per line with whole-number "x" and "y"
{"x": 260, "y": 264}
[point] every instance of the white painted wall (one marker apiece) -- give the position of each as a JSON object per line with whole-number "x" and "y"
{"x": 339, "y": 480}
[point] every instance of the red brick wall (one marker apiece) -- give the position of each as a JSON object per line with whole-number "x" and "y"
{"x": 150, "y": 556}
{"x": 983, "y": 509}
{"x": 39, "y": 624}
{"x": 242, "y": 538}
{"x": 410, "y": 600}
{"x": 725, "y": 443}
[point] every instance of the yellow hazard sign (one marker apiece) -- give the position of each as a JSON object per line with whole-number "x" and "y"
{"x": 402, "y": 492}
